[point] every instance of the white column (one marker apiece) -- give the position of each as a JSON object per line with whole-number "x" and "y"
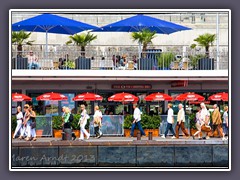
{"x": 217, "y": 34}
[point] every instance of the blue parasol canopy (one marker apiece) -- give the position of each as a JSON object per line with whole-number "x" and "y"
{"x": 141, "y": 22}
{"x": 50, "y": 23}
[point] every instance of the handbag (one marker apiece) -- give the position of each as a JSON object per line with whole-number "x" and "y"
{"x": 33, "y": 125}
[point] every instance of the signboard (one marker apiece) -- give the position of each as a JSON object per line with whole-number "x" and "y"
{"x": 179, "y": 83}
{"x": 128, "y": 86}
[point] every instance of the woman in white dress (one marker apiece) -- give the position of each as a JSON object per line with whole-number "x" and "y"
{"x": 83, "y": 121}
{"x": 19, "y": 116}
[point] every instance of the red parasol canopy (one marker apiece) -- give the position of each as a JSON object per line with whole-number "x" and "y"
{"x": 16, "y": 97}
{"x": 52, "y": 97}
{"x": 88, "y": 97}
{"x": 189, "y": 97}
{"x": 219, "y": 97}
{"x": 123, "y": 97}
{"x": 158, "y": 97}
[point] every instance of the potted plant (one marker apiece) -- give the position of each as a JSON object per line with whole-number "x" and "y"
{"x": 75, "y": 125}
{"x": 149, "y": 124}
{"x": 69, "y": 64}
{"x": 13, "y": 124}
{"x": 144, "y": 38}
{"x": 205, "y": 40}
{"x": 57, "y": 126}
{"x": 81, "y": 40}
{"x": 20, "y": 38}
{"x": 165, "y": 59}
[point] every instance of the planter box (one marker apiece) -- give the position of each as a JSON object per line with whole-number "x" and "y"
{"x": 57, "y": 133}
{"x": 155, "y": 132}
{"x": 77, "y": 133}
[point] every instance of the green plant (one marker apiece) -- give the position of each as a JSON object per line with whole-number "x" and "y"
{"x": 75, "y": 121}
{"x": 20, "y": 38}
{"x": 70, "y": 64}
{"x": 192, "y": 121}
{"x": 81, "y": 40}
{"x": 206, "y": 40}
{"x": 14, "y": 123}
{"x": 195, "y": 58}
{"x": 165, "y": 59}
{"x": 147, "y": 122}
{"x": 144, "y": 37}
{"x": 127, "y": 121}
{"x": 57, "y": 122}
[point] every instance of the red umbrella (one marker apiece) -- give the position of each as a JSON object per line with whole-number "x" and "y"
{"x": 20, "y": 97}
{"x": 51, "y": 97}
{"x": 189, "y": 97}
{"x": 123, "y": 97}
{"x": 219, "y": 97}
{"x": 88, "y": 97}
{"x": 158, "y": 97}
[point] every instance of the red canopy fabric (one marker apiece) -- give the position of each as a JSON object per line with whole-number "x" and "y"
{"x": 52, "y": 97}
{"x": 158, "y": 97}
{"x": 123, "y": 97}
{"x": 219, "y": 97}
{"x": 189, "y": 97}
{"x": 88, "y": 97}
{"x": 16, "y": 97}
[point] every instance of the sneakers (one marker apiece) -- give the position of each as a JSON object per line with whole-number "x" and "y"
{"x": 163, "y": 136}
{"x": 173, "y": 137}
{"x": 224, "y": 139}
{"x": 88, "y": 136}
{"x": 80, "y": 139}
{"x": 193, "y": 136}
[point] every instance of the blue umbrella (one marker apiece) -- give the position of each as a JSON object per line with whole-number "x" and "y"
{"x": 140, "y": 22}
{"x": 50, "y": 23}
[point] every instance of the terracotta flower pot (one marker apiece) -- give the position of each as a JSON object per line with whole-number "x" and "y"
{"x": 39, "y": 132}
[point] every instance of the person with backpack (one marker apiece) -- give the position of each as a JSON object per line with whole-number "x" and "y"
{"x": 68, "y": 119}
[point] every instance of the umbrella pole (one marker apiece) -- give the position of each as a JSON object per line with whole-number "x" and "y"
{"x": 46, "y": 46}
{"x": 139, "y": 55}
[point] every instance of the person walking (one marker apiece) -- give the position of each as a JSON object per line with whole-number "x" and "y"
{"x": 180, "y": 122}
{"x": 19, "y": 116}
{"x": 217, "y": 122}
{"x": 198, "y": 124}
{"x": 33, "y": 123}
{"x": 83, "y": 121}
{"x": 205, "y": 121}
{"x": 26, "y": 117}
{"x": 136, "y": 121}
{"x": 225, "y": 122}
{"x": 97, "y": 122}
{"x": 170, "y": 121}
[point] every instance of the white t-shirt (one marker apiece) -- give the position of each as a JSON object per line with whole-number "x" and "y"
{"x": 170, "y": 115}
{"x": 137, "y": 114}
{"x": 19, "y": 116}
{"x": 97, "y": 114}
{"x": 225, "y": 116}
